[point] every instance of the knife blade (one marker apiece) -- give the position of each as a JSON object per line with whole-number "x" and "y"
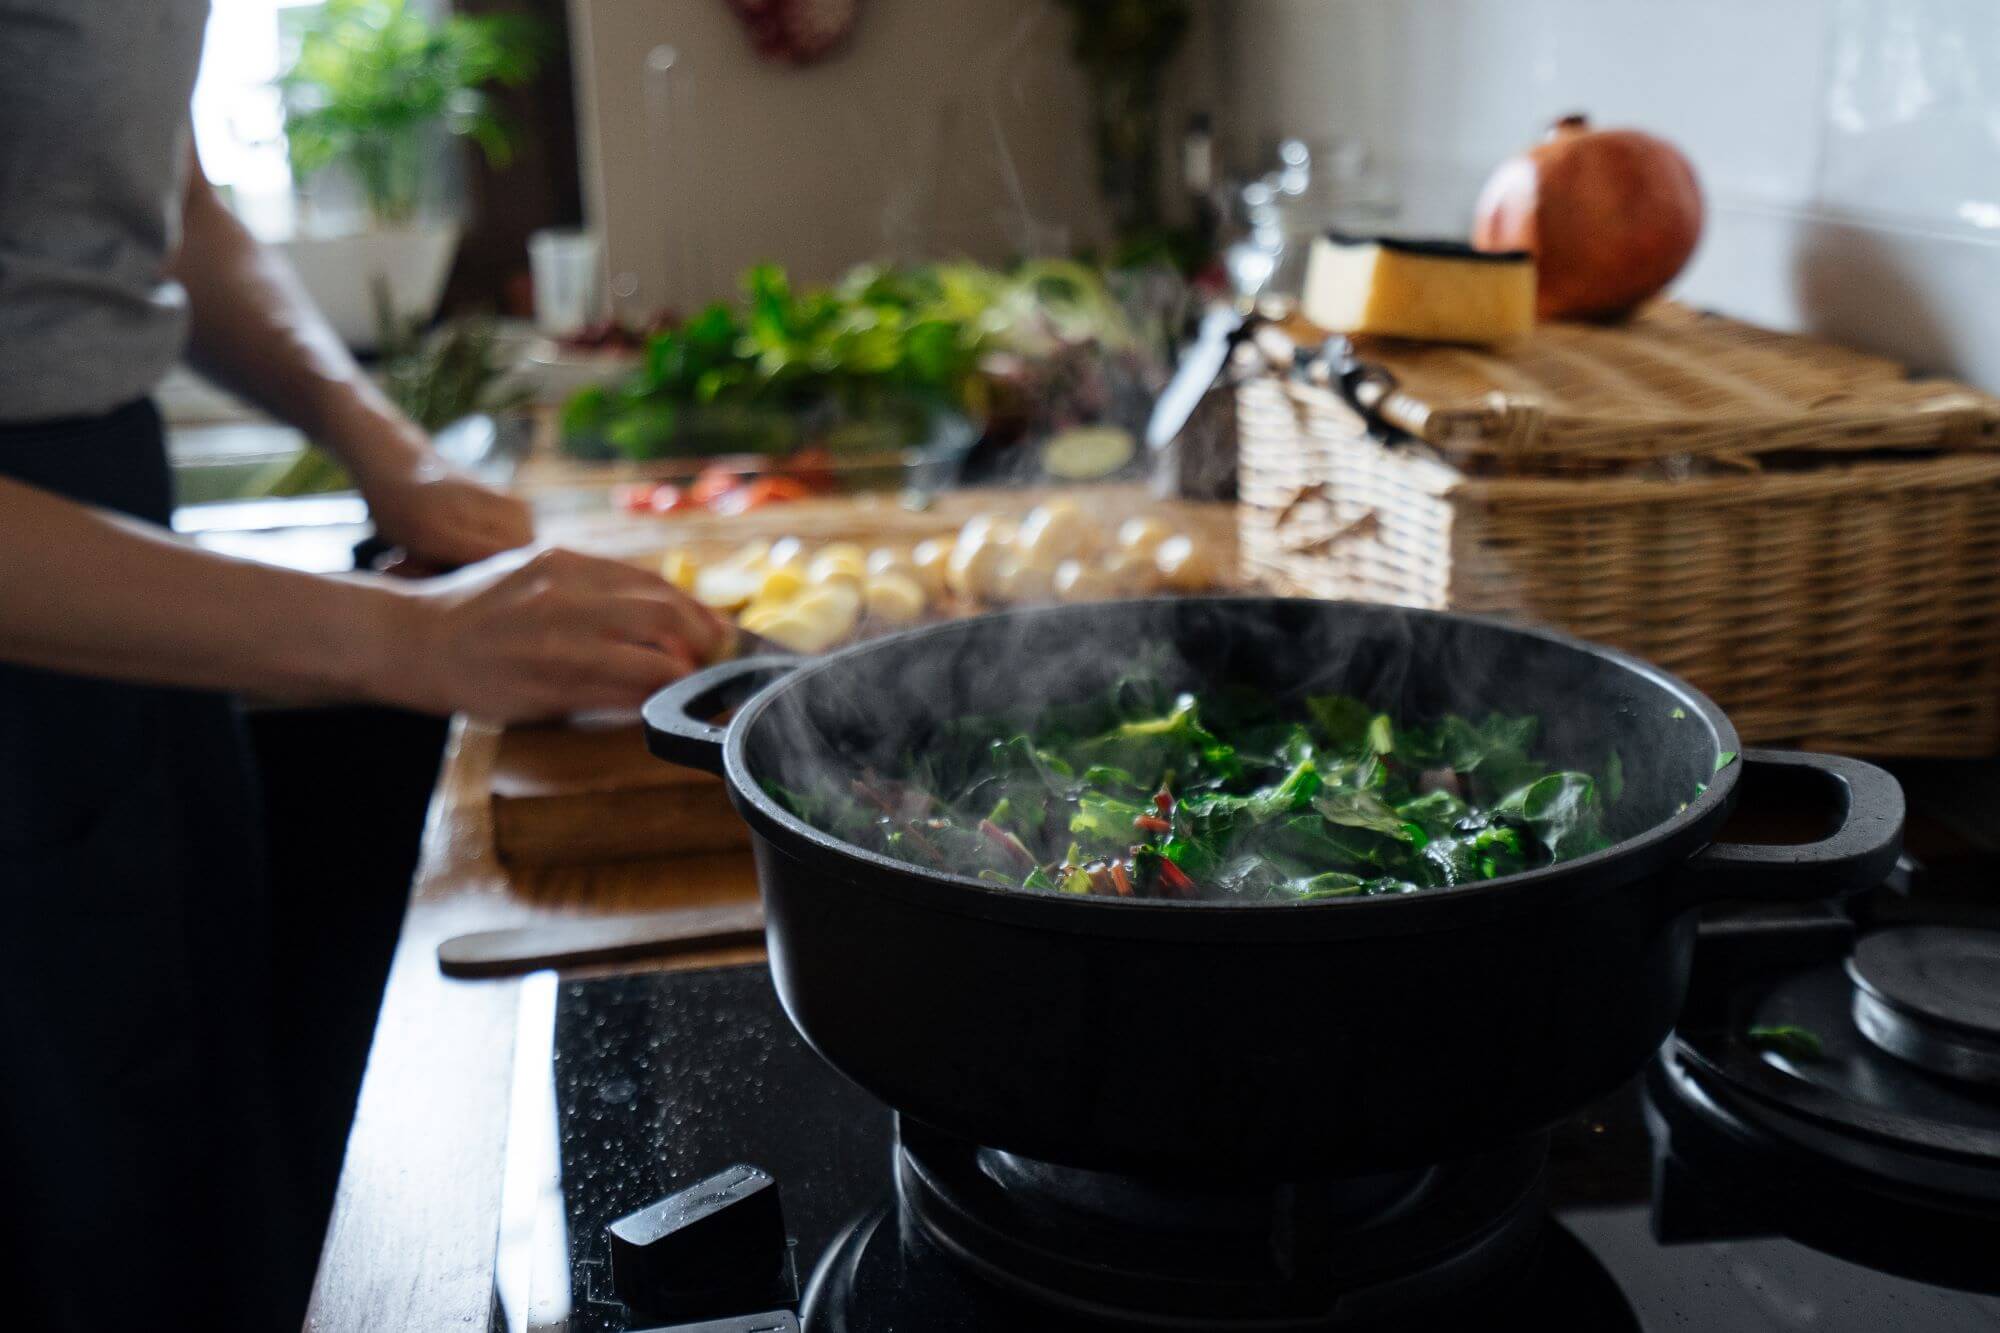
{"x": 503, "y": 953}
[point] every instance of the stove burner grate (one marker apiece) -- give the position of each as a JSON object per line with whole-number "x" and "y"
{"x": 1313, "y": 1255}
{"x": 1931, "y": 995}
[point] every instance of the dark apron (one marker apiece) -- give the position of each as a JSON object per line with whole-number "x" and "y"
{"x": 142, "y": 1172}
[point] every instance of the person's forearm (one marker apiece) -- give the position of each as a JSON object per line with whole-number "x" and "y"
{"x": 94, "y": 593}
{"x": 253, "y": 329}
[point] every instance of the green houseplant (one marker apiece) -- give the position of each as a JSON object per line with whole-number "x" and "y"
{"x": 375, "y": 80}
{"x": 376, "y": 89}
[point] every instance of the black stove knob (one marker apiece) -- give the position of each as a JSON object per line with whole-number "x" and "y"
{"x": 723, "y": 1235}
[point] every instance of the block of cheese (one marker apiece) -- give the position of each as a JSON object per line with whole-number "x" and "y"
{"x": 1438, "y": 291}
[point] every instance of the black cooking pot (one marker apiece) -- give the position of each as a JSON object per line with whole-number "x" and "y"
{"x": 1278, "y": 1039}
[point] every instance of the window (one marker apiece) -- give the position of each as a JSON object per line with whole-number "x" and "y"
{"x": 238, "y": 121}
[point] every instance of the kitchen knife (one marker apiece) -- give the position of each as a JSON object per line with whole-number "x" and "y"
{"x": 652, "y": 935}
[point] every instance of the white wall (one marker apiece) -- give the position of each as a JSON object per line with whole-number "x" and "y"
{"x": 1850, "y": 149}
{"x": 943, "y": 128}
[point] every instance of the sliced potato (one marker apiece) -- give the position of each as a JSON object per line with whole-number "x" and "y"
{"x": 679, "y": 568}
{"x": 986, "y": 528}
{"x": 1184, "y": 564}
{"x": 929, "y": 560}
{"x": 788, "y": 630}
{"x": 1143, "y": 534}
{"x": 974, "y": 569}
{"x": 1019, "y": 580}
{"x": 787, "y": 551}
{"x": 1055, "y": 532}
{"x": 781, "y": 583}
{"x": 890, "y": 560}
{"x": 841, "y": 560}
{"x": 894, "y": 598}
{"x": 750, "y": 555}
{"x": 1082, "y": 581}
{"x": 726, "y": 587}
{"x": 983, "y": 545}
{"x": 830, "y": 610}
{"x": 758, "y": 614}
{"x": 1127, "y": 573}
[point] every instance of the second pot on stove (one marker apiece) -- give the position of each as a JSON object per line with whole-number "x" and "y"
{"x": 1276, "y": 1040}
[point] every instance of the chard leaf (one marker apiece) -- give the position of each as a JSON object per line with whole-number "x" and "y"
{"x": 1560, "y": 810}
{"x": 1363, "y": 810}
{"x": 1294, "y": 793}
{"x": 1342, "y": 720}
{"x": 1790, "y": 1040}
{"x": 1104, "y": 775}
{"x": 1104, "y": 823}
{"x": 1332, "y": 884}
{"x": 1434, "y": 812}
{"x": 1449, "y": 861}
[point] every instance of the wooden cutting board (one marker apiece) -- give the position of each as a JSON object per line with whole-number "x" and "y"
{"x": 591, "y": 792}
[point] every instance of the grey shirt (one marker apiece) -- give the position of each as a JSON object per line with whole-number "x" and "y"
{"x": 93, "y": 137}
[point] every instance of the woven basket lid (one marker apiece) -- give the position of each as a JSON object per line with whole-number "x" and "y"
{"x": 1670, "y": 382}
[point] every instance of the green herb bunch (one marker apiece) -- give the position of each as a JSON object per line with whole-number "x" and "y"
{"x": 871, "y": 354}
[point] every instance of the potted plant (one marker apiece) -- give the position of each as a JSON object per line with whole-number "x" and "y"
{"x": 375, "y": 93}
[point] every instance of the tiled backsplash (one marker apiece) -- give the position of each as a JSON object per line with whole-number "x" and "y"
{"x": 1850, "y": 149}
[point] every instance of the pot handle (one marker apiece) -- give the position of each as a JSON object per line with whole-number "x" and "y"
{"x": 1857, "y": 855}
{"x": 678, "y": 729}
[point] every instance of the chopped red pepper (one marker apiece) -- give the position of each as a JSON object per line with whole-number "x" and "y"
{"x": 1008, "y": 842}
{"x": 1163, "y": 801}
{"x": 756, "y": 494}
{"x": 813, "y": 468}
{"x": 1120, "y": 880}
{"x": 1176, "y": 879}
{"x": 716, "y": 480}
{"x": 1153, "y": 824}
{"x": 867, "y": 792}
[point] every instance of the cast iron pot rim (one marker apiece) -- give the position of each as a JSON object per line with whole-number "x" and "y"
{"x": 1667, "y": 842}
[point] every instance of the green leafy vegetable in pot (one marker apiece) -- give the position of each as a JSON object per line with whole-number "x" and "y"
{"x": 1795, "y": 1043}
{"x": 1139, "y": 795}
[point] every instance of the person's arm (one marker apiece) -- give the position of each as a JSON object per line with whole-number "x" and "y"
{"x": 519, "y": 636}
{"x": 253, "y": 329}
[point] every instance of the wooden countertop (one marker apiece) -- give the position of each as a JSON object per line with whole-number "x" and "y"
{"x": 415, "y": 1221}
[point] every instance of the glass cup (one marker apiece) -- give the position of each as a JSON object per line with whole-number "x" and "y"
{"x": 564, "y": 261}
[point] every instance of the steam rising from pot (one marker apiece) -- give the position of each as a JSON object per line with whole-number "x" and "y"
{"x": 872, "y": 707}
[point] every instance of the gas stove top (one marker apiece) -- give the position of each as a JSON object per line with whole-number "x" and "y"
{"x": 1705, "y": 1194}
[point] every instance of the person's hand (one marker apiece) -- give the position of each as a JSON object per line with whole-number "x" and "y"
{"x": 528, "y": 636}
{"x": 443, "y": 519}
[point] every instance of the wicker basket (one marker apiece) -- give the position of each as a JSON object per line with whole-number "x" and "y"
{"x": 1802, "y": 531}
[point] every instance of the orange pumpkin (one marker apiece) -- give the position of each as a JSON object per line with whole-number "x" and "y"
{"x": 1611, "y": 217}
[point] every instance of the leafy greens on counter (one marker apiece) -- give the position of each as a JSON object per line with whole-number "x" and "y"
{"x": 1140, "y": 794}
{"x": 856, "y": 366}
